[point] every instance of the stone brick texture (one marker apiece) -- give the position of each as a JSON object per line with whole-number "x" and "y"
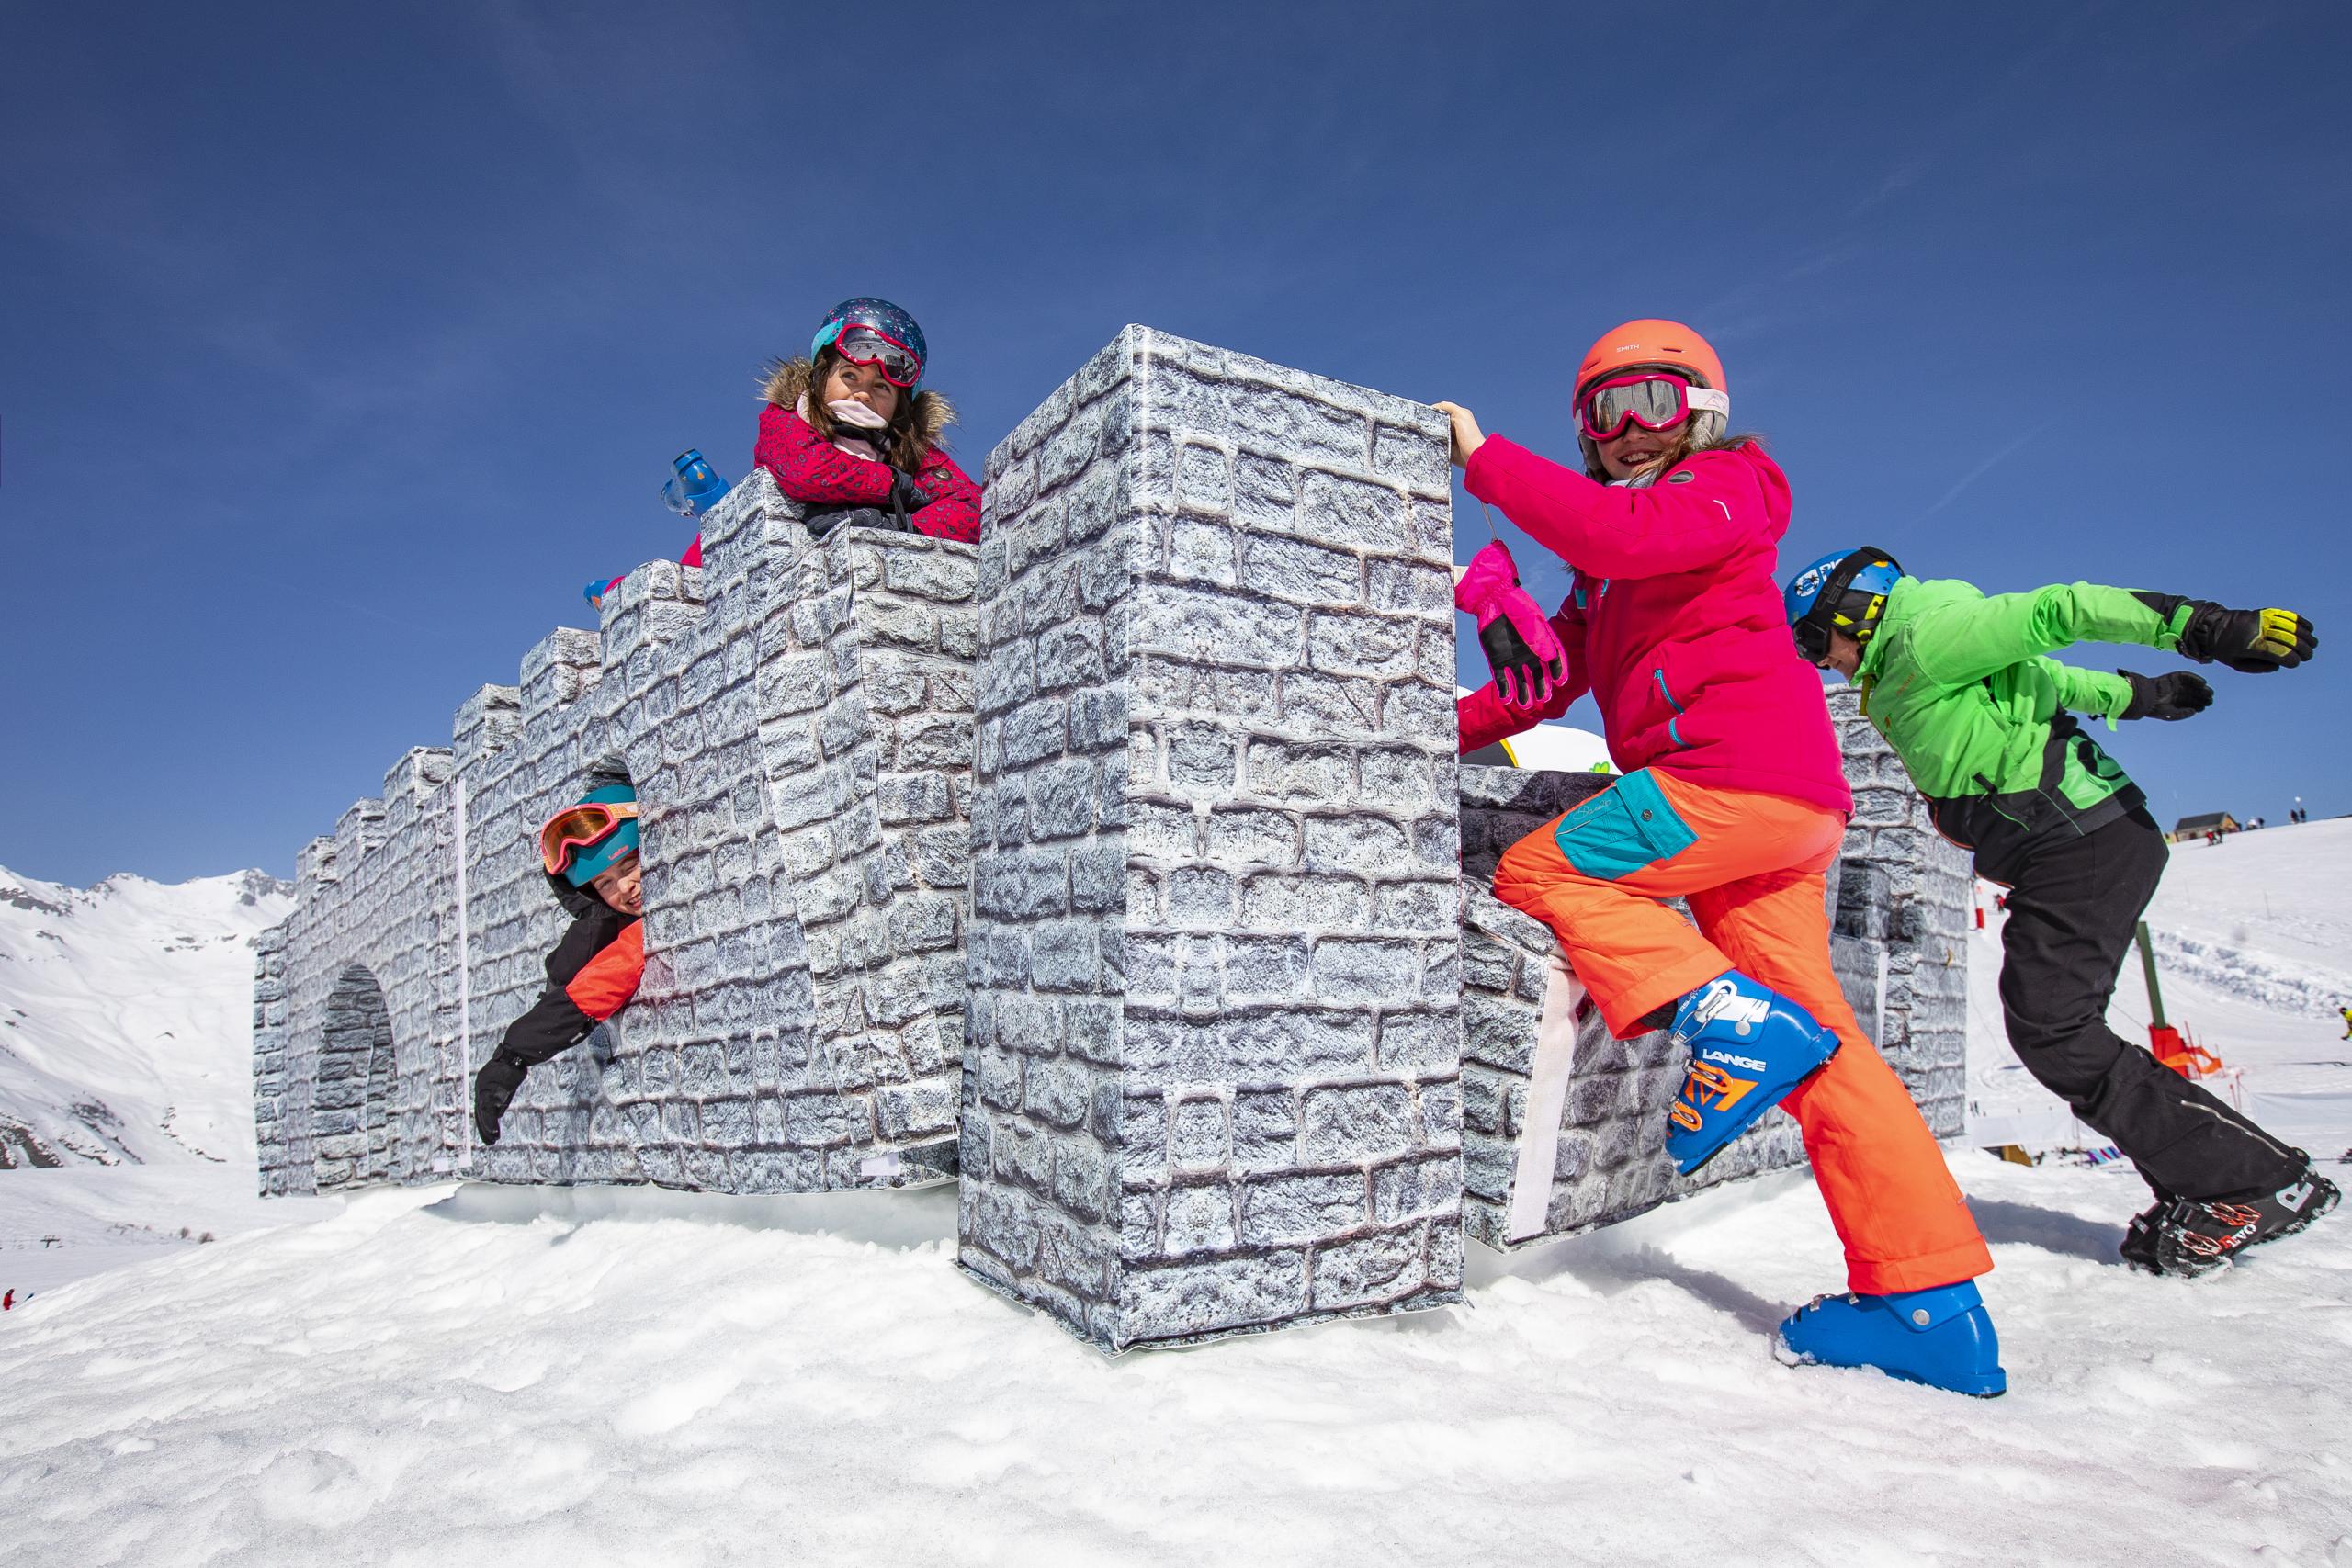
{"x": 1900, "y": 898}
{"x": 1122, "y": 864}
{"x": 1213, "y": 1082}
{"x": 797, "y": 720}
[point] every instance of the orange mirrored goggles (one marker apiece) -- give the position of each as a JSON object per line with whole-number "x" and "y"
{"x": 577, "y": 827}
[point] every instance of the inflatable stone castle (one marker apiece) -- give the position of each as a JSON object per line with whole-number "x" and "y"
{"x": 1120, "y": 870}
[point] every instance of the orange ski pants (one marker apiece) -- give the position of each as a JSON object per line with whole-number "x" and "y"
{"x": 1751, "y": 866}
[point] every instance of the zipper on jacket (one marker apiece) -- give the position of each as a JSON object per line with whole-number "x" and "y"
{"x": 1992, "y": 798}
{"x": 1672, "y": 733}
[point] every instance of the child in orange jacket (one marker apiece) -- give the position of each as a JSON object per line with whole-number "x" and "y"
{"x": 589, "y": 852}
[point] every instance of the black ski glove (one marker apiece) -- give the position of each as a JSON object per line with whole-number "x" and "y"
{"x": 1507, "y": 651}
{"x": 820, "y": 524}
{"x": 2177, "y": 695}
{"x": 2254, "y": 642}
{"x": 494, "y": 1089}
{"x": 906, "y": 498}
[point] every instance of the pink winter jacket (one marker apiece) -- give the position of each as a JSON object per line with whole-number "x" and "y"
{"x": 808, "y": 469}
{"x": 1673, "y": 621}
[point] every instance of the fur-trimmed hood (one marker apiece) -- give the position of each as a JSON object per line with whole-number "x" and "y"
{"x": 929, "y": 414}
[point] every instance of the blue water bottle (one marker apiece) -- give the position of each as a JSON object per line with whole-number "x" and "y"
{"x": 697, "y": 489}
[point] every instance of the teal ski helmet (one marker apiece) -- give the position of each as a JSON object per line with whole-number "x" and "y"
{"x": 1845, "y": 591}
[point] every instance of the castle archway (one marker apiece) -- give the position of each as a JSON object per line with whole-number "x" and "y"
{"x": 350, "y": 1127}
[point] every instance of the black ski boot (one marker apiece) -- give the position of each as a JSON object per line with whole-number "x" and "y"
{"x": 2190, "y": 1236}
{"x": 2139, "y": 1249}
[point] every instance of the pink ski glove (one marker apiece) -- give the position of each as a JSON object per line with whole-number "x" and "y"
{"x": 1522, "y": 649}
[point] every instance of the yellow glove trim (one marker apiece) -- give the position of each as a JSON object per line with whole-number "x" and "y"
{"x": 2276, "y": 638}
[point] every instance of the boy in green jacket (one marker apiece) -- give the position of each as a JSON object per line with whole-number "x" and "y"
{"x": 1961, "y": 686}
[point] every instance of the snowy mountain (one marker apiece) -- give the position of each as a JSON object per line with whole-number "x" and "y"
{"x": 126, "y": 1018}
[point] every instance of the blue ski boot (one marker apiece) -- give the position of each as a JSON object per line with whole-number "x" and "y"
{"x": 1942, "y": 1337}
{"x": 1750, "y": 1045}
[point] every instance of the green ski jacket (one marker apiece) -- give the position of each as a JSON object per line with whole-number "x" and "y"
{"x": 1962, "y": 687}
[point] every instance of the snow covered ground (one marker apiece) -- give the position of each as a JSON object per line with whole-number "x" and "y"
{"x": 626, "y": 1377}
{"x": 617, "y": 1376}
{"x": 76, "y": 1220}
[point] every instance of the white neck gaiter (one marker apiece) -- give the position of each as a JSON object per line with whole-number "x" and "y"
{"x": 850, "y": 411}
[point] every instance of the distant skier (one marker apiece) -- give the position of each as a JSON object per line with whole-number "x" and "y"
{"x": 1731, "y": 797}
{"x": 589, "y": 852}
{"x": 1961, "y": 686}
{"x": 2347, "y": 1021}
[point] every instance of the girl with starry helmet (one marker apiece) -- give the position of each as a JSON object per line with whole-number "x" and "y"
{"x": 1732, "y": 798}
{"x": 850, "y": 433}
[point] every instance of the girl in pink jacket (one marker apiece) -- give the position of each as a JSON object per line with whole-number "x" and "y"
{"x": 1732, "y": 798}
{"x": 849, "y": 434}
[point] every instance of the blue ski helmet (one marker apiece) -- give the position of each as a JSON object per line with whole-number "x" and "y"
{"x": 1845, "y": 591}
{"x": 878, "y": 316}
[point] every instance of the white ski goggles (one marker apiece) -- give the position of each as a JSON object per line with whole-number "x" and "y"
{"x": 1654, "y": 399}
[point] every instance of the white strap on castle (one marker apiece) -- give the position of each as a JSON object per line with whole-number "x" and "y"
{"x": 465, "y": 972}
{"x": 1547, "y": 1099}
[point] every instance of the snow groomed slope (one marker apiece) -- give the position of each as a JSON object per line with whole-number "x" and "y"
{"x": 443, "y": 1374}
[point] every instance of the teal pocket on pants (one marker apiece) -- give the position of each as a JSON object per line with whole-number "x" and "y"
{"x": 1624, "y": 829}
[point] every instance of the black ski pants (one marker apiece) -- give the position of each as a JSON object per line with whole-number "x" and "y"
{"x": 2075, "y": 901}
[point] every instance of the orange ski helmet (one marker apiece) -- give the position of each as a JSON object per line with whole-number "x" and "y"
{"x": 1653, "y": 345}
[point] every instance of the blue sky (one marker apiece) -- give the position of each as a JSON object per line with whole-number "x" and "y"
{"x": 340, "y": 345}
